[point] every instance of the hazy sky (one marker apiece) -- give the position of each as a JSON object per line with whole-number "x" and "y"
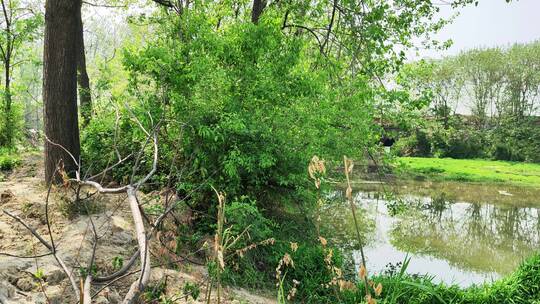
{"x": 491, "y": 23}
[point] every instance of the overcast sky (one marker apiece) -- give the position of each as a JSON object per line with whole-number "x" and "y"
{"x": 491, "y": 23}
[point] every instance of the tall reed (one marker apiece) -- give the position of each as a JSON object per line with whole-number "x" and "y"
{"x": 317, "y": 170}
{"x": 348, "y": 167}
{"x": 219, "y": 248}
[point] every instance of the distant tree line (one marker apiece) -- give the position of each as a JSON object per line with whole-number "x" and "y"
{"x": 482, "y": 103}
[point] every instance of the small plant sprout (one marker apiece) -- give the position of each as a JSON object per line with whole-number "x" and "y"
{"x": 191, "y": 290}
{"x": 117, "y": 262}
{"x": 39, "y": 274}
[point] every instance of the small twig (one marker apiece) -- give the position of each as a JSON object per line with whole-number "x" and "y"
{"x": 47, "y": 208}
{"x": 32, "y": 230}
{"x": 87, "y": 299}
{"x": 64, "y": 149}
{"x": 25, "y": 256}
{"x": 109, "y": 168}
{"x": 104, "y": 5}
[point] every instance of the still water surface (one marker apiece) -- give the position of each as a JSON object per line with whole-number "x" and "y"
{"x": 459, "y": 233}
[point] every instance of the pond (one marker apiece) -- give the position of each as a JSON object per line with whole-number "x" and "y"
{"x": 458, "y": 233}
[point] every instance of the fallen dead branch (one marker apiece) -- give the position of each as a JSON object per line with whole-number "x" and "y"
{"x": 143, "y": 236}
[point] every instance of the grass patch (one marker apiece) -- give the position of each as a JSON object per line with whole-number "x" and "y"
{"x": 472, "y": 170}
{"x": 400, "y": 287}
{"x": 8, "y": 159}
{"x": 522, "y": 286}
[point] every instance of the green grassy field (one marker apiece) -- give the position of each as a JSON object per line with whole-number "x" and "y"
{"x": 472, "y": 170}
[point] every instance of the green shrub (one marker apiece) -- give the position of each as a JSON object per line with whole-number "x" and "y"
{"x": 423, "y": 145}
{"x": 9, "y": 159}
{"x": 311, "y": 274}
{"x": 516, "y": 140}
{"x": 416, "y": 144}
{"x": 11, "y": 124}
{"x": 501, "y": 151}
{"x": 98, "y": 145}
{"x": 461, "y": 143}
{"x": 250, "y": 234}
{"x": 255, "y": 266}
{"x": 242, "y": 214}
{"x": 242, "y": 108}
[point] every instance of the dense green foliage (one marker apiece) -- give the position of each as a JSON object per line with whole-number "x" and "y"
{"x": 241, "y": 108}
{"x": 511, "y": 139}
{"x": 20, "y": 26}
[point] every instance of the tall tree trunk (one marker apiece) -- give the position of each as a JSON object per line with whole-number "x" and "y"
{"x": 257, "y": 10}
{"x": 60, "y": 85}
{"x": 9, "y": 127}
{"x": 6, "y": 52}
{"x": 85, "y": 97}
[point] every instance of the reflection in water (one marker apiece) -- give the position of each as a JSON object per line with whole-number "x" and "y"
{"x": 455, "y": 241}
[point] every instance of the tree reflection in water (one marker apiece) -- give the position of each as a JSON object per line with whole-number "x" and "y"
{"x": 455, "y": 231}
{"x": 472, "y": 236}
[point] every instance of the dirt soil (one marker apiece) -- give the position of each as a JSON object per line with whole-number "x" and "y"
{"x": 41, "y": 280}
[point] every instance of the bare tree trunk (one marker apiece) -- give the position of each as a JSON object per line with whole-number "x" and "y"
{"x": 257, "y": 10}
{"x": 85, "y": 97}
{"x": 60, "y": 85}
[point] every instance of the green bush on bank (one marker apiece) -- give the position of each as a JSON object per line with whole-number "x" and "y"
{"x": 242, "y": 109}
{"x": 11, "y": 125}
